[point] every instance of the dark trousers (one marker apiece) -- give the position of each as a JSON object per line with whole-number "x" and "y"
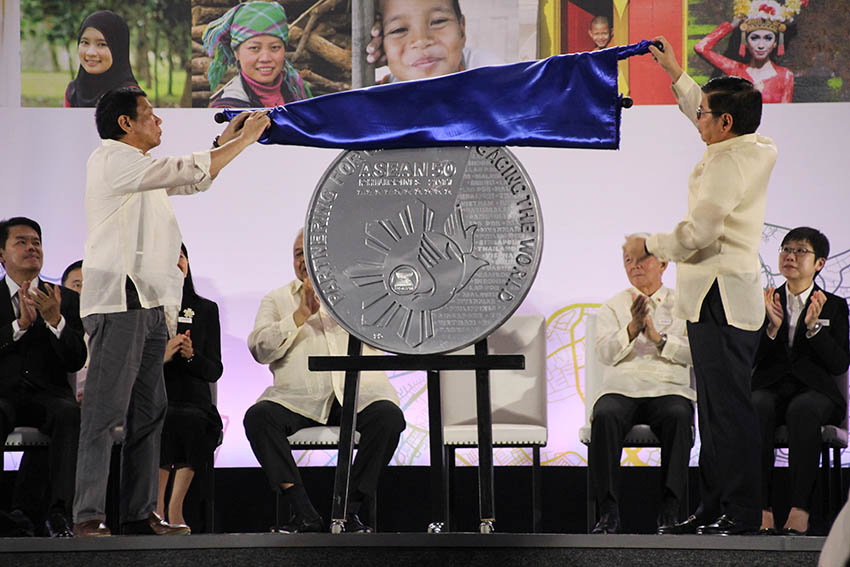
{"x": 804, "y": 411}
{"x": 730, "y": 480}
{"x": 59, "y": 418}
{"x": 671, "y": 419}
{"x": 380, "y": 424}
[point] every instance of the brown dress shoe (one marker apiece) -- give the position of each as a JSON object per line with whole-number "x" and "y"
{"x": 91, "y": 528}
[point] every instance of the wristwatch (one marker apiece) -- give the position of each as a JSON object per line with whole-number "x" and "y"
{"x": 663, "y": 342}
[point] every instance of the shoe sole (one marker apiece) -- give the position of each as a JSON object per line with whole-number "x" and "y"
{"x": 176, "y": 532}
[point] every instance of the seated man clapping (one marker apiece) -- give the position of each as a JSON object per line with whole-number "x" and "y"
{"x": 646, "y": 357}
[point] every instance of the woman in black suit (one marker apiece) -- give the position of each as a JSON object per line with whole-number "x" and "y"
{"x": 804, "y": 346}
{"x": 192, "y": 425}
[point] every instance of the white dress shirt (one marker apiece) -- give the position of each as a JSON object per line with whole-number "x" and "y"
{"x": 794, "y": 305}
{"x": 637, "y": 368}
{"x": 720, "y": 236}
{"x": 285, "y": 347}
{"x": 131, "y": 227}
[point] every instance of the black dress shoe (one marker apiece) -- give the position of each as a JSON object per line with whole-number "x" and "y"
{"x": 58, "y": 526}
{"x": 609, "y": 523}
{"x": 153, "y": 525}
{"x": 667, "y": 520}
{"x": 353, "y": 525}
{"x": 767, "y": 531}
{"x": 793, "y": 532}
{"x": 689, "y": 526}
{"x": 299, "y": 525}
{"x": 15, "y": 524}
{"x": 725, "y": 526}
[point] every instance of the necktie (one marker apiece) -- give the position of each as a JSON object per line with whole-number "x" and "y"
{"x": 16, "y": 306}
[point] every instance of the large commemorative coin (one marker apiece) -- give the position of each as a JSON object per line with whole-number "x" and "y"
{"x": 422, "y": 251}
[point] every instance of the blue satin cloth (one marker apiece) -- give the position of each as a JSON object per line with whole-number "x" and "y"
{"x": 564, "y": 101}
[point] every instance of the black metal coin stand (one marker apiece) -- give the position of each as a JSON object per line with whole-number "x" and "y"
{"x": 481, "y": 362}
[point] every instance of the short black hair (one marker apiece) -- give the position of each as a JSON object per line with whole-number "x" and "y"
{"x": 113, "y": 104}
{"x": 16, "y": 221}
{"x": 818, "y": 240}
{"x": 78, "y": 265}
{"x": 736, "y": 96}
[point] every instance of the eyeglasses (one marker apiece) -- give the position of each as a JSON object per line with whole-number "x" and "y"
{"x": 787, "y": 250}
{"x": 700, "y": 112}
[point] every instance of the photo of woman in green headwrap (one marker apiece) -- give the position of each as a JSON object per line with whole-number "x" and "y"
{"x": 252, "y": 36}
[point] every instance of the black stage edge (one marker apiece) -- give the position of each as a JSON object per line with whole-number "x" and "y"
{"x": 244, "y": 502}
{"x": 442, "y": 550}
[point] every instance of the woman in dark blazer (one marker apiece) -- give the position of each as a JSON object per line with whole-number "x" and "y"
{"x": 804, "y": 346}
{"x": 192, "y": 424}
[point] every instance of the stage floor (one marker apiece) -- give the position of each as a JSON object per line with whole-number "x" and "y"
{"x": 443, "y": 550}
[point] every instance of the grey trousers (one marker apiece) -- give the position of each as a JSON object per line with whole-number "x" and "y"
{"x": 124, "y": 386}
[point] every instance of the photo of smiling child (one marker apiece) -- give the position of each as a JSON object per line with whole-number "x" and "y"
{"x": 424, "y": 38}
{"x": 601, "y": 32}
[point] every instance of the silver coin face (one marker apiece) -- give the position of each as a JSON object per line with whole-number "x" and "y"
{"x": 422, "y": 251}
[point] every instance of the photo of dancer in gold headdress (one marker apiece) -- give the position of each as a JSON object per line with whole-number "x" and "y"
{"x": 763, "y": 24}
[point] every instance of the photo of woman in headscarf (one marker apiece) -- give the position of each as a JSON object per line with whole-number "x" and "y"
{"x": 252, "y": 36}
{"x": 762, "y": 24}
{"x": 103, "y": 47}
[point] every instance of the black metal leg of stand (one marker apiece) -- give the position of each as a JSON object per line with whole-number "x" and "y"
{"x": 347, "y": 426}
{"x": 536, "y": 490}
{"x": 485, "y": 443}
{"x": 840, "y": 493}
{"x": 435, "y": 427}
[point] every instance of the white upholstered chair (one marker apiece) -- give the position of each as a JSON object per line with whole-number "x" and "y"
{"x": 518, "y": 400}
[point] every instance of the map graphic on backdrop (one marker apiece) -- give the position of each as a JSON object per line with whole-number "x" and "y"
{"x": 565, "y": 343}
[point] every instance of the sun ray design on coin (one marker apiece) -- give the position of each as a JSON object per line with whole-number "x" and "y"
{"x": 420, "y": 272}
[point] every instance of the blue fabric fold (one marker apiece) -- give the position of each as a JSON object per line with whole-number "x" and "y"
{"x": 564, "y": 101}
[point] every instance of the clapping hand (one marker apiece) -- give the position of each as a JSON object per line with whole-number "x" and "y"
{"x": 27, "y": 306}
{"x": 815, "y": 307}
{"x": 774, "y": 310}
{"x": 640, "y": 312}
{"x": 649, "y": 330}
{"x": 186, "y": 349}
{"x": 309, "y": 303}
{"x": 48, "y": 304}
{"x": 181, "y": 343}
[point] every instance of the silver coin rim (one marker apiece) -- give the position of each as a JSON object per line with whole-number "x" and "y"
{"x": 366, "y": 340}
